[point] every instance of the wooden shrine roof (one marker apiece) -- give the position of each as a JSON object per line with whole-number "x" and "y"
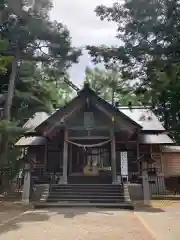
{"x": 142, "y": 118}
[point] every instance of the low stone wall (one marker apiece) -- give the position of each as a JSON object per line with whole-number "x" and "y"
{"x": 135, "y": 191}
{"x": 39, "y": 190}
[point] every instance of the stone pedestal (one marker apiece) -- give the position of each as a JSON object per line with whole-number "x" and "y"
{"x": 146, "y": 189}
{"x": 27, "y": 184}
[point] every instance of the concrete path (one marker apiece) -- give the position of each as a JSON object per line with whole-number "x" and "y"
{"x": 76, "y": 224}
{"x": 164, "y": 224}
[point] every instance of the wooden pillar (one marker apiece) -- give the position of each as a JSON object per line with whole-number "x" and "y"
{"x": 65, "y": 157}
{"x": 113, "y": 157}
{"x": 70, "y": 154}
{"x": 45, "y": 155}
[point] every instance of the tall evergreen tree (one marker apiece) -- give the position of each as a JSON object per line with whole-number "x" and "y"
{"x": 108, "y": 83}
{"x": 35, "y": 46}
{"x": 149, "y": 46}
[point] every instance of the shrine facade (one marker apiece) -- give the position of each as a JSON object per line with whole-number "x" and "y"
{"x": 90, "y": 141}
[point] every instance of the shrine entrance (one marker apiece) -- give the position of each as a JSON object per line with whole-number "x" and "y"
{"x": 90, "y": 162}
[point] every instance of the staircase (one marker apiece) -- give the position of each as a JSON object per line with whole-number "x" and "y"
{"x": 97, "y": 195}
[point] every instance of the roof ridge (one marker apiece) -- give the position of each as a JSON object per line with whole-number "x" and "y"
{"x": 134, "y": 107}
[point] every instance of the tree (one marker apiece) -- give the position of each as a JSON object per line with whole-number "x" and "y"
{"x": 28, "y": 35}
{"x": 36, "y": 90}
{"x": 149, "y": 51}
{"x": 35, "y": 45}
{"x": 111, "y": 87}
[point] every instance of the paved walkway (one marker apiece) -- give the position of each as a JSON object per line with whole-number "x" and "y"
{"x": 75, "y": 224}
{"x": 164, "y": 224}
{"x": 9, "y": 210}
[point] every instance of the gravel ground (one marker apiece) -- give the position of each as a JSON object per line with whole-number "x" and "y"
{"x": 9, "y": 210}
{"x": 164, "y": 224}
{"x": 76, "y": 224}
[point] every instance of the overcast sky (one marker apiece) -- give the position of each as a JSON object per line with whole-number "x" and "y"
{"x": 85, "y": 28}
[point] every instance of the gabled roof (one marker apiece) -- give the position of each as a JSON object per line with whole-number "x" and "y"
{"x": 145, "y": 117}
{"x": 84, "y": 93}
{"x": 89, "y": 92}
{"x": 141, "y": 117}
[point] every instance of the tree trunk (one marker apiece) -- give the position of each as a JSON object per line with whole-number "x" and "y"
{"x": 11, "y": 85}
{"x": 1, "y": 13}
{"x": 8, "y": 105}
{"x": 7, "y": 117}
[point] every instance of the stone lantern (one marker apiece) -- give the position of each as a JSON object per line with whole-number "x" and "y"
{"x": 28, "y": 167}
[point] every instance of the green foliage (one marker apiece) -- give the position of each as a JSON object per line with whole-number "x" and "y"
{"x": 11, "y": 131}
{"x": 110, "y": 86}
{"x": 4, "y": 60}
{"x": 42, "y": 47}
{"x": 11, "y": 128}
{"x": 149, "y": 34}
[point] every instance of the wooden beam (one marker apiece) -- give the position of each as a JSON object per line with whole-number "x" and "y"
{"x": 70, "y": 158}
{"x": 83, "y": 128}
{"x": 89, "y": 137}
{"x": 45, "y": 154}
{"x": 72, "y": 112}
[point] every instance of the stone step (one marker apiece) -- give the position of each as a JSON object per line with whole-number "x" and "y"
{"x": 122, "y": 205}
{"x": 104, "y": 191}
{"x": 95, "y": 194}
{"x": 81, "y": 197}
{"x": 87, "y": 185}
{"x": 92, "y": 200}
{"x": 12, "y": 196}
{"x": 109, "y": 194}
{"x": 87, "y": 189}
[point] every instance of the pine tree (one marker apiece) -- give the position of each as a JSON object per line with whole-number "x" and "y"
{"x": 149, "y": 46}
